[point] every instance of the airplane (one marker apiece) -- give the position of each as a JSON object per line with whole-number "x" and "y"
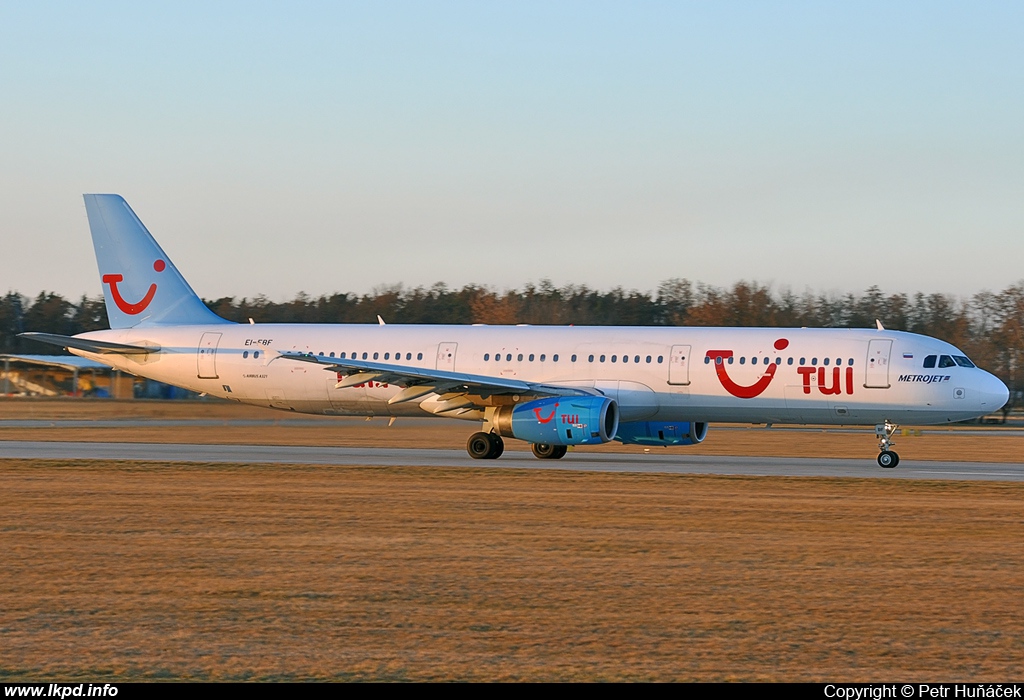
{"x": 551, "y": 386}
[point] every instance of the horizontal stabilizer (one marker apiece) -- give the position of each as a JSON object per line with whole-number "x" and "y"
{"x": 97, "y": 346}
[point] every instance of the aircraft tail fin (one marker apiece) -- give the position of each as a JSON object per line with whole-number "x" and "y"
{"x": 140, "y": 283}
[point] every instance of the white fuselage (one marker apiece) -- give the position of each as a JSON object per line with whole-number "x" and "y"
{"x": 758, "y": 375}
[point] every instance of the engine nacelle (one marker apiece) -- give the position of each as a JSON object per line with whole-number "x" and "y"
{"x": 560, "y": 420}
{"x": 661, "y": 433}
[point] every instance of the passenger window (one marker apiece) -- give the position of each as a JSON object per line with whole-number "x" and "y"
{"x": 245, "y": 355}
{"x": 554, "y": 358}
{"x": 387, "y": 356}
{"x": 778, "y": 360}
{"x": 332, "y": 353}
{"x": 648, "y": 359}
{"x": 419, "y": 356}
{"x": 718, "y": 360}
{"x": 625, "y": 358}
{"x": 825, "y": 361}
{"x": 660, "y": 358}
{"x": 743, "y": 360}
{"x": 789, "y": 361}
{"x": 519, "y": 357}
{"x": 364, "y": 355}
{"x": 730, "y": 360}
{"x": 766, "y": 360}
{"x": 542, "y": 357}
{"x": 803, "y": 360}
{"x": 531, "y": 357}
{"x": 508, "y": 357}
{"x": 929, "y": 362}
{"x": 707, "y": 359}
{"x": 602, "y": 358}
{"x": 850, "y": 362}
{"x": 814, "y": 360}
{"x": 590, "y": 358}
{"x": 613, "y": 358}
{"x": 408, "y": 355}
{"x": 256, "y": 355}
{"x": 636, "y": 358}
{"x": 376, "y": 355}
{"x": 946, "y": 361}
{"x": 342, "y": 356}
{"x": 487, "y": 356}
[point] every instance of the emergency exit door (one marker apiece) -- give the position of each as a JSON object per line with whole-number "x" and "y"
{"x": 208, "y": 355}
{"x": 877, "y": 370}
{"x": 679, "y": 365}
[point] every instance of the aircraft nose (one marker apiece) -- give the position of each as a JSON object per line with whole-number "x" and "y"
{"x": 993, "y": 394}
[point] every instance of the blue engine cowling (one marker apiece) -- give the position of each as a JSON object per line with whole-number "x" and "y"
{"x": 661, "y": 433}
{"x": 560, "y": 420}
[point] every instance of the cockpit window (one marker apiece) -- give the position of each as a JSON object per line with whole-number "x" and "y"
{"x": 963, "y": 361}
{"x": 946, "y": 361}
{"x": 929, "y": 362}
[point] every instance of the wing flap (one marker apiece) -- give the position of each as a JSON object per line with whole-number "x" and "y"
{"x": 432, "y": 379}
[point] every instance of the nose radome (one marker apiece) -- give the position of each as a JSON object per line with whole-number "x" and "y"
{"x": 994, "y": 393}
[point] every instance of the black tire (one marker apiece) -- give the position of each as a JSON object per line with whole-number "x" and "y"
{"x": 499, "y": 445}
{"x": 888, "y": 460}
{"x": 481, "y": 446}
{"x": 544, "y": 451}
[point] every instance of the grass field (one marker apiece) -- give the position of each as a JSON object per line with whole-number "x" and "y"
{"x": 135, "y": 571}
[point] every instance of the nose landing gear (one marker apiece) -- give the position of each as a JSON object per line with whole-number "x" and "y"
{"x": 887, "y": 459}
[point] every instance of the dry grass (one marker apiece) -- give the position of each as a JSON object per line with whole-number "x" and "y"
{"x": 133, "y": 571}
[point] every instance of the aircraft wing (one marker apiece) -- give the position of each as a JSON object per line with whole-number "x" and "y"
{"x": 419, "y": 381}
{"x": 97, "y": 346}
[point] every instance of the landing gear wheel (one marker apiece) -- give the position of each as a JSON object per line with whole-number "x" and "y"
{"x": 888, "y": 460}
{"x": 544, "y": 451}
{"x": 485, "y": 446}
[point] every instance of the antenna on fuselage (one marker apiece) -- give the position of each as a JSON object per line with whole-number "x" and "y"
{"x": 380, "y": 320}
{"x": 878, "y": 325}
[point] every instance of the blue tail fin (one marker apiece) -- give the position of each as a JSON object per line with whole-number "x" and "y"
{"x": 141, "y": 286}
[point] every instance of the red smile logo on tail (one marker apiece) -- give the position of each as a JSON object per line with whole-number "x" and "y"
{"x": 127, "y": 307}
{"x": 719, "y": 357}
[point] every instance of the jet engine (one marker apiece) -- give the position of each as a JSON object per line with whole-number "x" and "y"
{"x": 661, "y": 433}
{"x": 560, "y": 420}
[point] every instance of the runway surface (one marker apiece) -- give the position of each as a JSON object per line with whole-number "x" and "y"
{"x": 656, "y": 462}
{"x": 321, "y": 421}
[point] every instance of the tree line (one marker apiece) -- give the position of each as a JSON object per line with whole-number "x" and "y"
{"x": 988, "y": 326}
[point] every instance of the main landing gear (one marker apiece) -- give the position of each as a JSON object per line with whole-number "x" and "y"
{"x": 887, "y": 459}
{"x": 543, "y": 451}
{"x": 490, "y": 446}
{"x": 485, "y": 446}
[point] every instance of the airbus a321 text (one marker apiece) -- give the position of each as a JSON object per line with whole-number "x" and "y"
{"x": 550, "y": 386}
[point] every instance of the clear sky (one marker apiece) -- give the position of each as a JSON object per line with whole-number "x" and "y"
{"x": 276, "y": 148}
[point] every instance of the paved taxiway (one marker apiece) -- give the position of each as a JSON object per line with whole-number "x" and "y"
{"x": 655, "y": 462}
